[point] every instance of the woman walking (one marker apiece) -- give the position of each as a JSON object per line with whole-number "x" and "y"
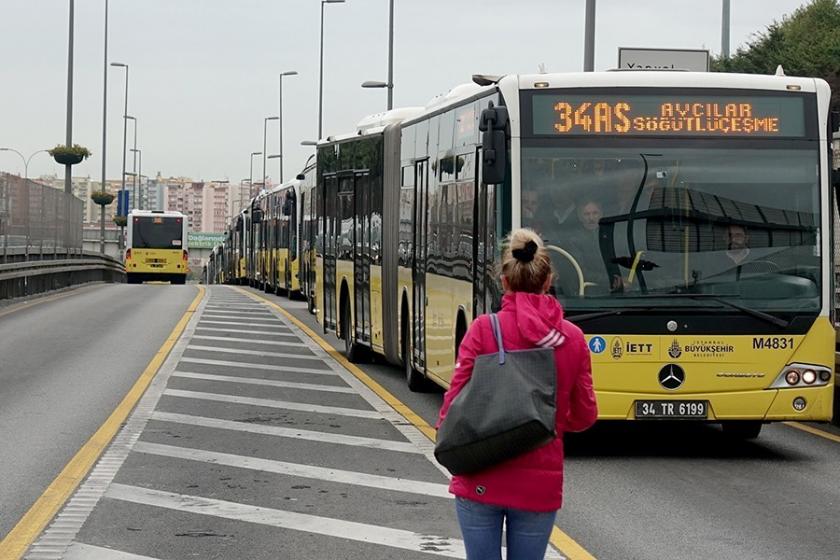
{"x": 525, "y": 492}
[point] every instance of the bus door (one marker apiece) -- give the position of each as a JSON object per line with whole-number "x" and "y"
{"x": 485, "y": 285}
{"x": 361, "y": 256}
{"x": 332, "y": 230}
{"x": 418, "y": 276}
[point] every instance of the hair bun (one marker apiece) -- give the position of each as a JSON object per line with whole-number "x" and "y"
{"x": 526, "y": 253}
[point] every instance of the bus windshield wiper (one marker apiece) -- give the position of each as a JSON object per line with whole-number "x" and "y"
{"x": 599, "y": 314}
{"x": 719, "y": 298}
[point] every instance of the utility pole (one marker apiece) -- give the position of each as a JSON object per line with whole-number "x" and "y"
{"x": 68, "y": 169}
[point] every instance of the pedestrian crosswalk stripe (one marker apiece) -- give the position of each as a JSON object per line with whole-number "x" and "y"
{"x": 248, "y": 340}
{"x": 245, "y": 331}
{"x": 271, "y": 403}
{"x": 267, "y": 367}
{"x": 265, "y": 382}
{"x": 430, "y": 489}
{"x": 275, "y": 324}
{"x": 279, "y": 431}
{"x": 80, "y": 551}
{"x": 253, "y": 352}
{"x": 261, "y": 318}
{"x": 350, "y": 530}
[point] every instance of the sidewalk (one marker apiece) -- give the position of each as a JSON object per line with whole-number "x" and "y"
{"x": 254, "y": 443}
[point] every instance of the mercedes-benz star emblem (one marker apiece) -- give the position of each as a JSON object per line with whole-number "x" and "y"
{"x": 671, "y": 377}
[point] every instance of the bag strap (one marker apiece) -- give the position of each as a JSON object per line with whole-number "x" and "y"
{"x": 497, "y": 332}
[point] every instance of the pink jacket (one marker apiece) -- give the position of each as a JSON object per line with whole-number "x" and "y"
{"x": 533, "y": 481}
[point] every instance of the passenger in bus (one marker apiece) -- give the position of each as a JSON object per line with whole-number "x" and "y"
{"x": 525, "y": 492}
{"x": 738, "y": 240}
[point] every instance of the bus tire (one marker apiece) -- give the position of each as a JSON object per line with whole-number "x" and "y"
{"x": 181, "y": 279}
{"x": 742, "y": 429}
{"x": 352, "y": 350}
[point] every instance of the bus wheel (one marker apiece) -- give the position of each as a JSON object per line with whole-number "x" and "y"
{"x": 352, "y": 351}
{"x": 179, "y": 280}
{"x": 743, "y": 429}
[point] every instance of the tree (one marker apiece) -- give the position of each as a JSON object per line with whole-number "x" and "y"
{"x": 805, "y": 43}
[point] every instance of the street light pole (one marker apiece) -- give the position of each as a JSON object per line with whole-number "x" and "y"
{"x": 133, "y": 166}
{"x": 125, "y": 141}
{"x": 321, "y": 71}
{"x": 138, "y": 176}
{"x": 280, "y": 114}
{"x": 724, "y": 31}
{"x": 391, "y": 56}
{"x": 68, "y": 169}
{"x": 104, "y": 133}
{"x": 251, "y": 175}
{"x": 265, "y": 139}
{"x": 589, "y": 38}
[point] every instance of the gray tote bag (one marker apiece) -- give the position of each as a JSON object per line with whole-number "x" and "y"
{"x": 507, "y": 408}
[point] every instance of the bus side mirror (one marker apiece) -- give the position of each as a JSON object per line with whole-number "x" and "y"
{"x": 493, "y": 125}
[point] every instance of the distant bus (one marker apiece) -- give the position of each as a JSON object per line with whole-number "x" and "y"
{"x": 156, "y": 248}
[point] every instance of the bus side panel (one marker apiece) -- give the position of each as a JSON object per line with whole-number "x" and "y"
{"x": 282, "y": 263}
{"x": 294, "y": 286}
{"x": 446, "y": 297}
{"x": 376, "y": 324}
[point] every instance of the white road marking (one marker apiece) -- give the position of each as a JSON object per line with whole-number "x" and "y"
{"x": 350, "y": 530}
{"x": 244, "y": 331}
{"x": 248, "y": 340}
{"x": 271, "y": 403}
{"x": 253, "y": 352}
{"x": 432, "y": 489}
{"x": 280, "y": 326}
{"x": 278, "y": 431}
{"x": 262, "y": 316}
{"x": 248, "y": 365}
{"x": 266, "y": 382}
{"x": 80, "y": 551}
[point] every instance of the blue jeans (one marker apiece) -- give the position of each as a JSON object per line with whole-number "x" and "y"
{"x": 481, "y": 525}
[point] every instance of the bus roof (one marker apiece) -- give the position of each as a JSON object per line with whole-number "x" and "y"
{"x": 149, "y": 213}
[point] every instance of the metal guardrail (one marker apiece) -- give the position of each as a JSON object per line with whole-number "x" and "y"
{"x": 44, "y": 272}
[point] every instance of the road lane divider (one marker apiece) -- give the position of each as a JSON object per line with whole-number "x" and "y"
{"x": 815, "y": 431}
{"x": 35, "y": 520}
{"x": 559, "y": 539}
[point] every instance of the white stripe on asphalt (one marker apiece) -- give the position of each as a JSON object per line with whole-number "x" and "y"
{"x": 244, "y": 331}
{"x": 263, "y": 315}
{"x": 253, "y": 352}
{"x": 243, "y": 306}
{"x": 248, "y": 340}
{"x": 80, "y": 551}
{"x": 249, "y": 324}
{"x": 294, "y": 469}
{"x": 248, "y": 365}
{"x": 350, "y": 530}
{"x": 266, "y": 382}
{"x": 278, "y": 431}
{"x": 272, "y": 403}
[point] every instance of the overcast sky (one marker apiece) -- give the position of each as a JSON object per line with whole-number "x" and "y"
{"x": 204, "y": 73}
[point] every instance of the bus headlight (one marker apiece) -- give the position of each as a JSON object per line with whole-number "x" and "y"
{"x": 802, "y": 375}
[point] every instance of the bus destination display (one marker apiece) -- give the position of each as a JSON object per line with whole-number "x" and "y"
{"x": 667, "y": 115}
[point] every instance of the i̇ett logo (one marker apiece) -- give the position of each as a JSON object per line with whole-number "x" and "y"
{"x": 671, "y": 377}
{"x": 617, "y": 348}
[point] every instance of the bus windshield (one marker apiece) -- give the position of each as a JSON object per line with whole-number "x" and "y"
{"x": 157, "y": 232}
{"x": 625, "y": 224}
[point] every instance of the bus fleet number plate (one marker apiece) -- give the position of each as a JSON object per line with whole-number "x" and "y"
{"x": 672, "y": 409}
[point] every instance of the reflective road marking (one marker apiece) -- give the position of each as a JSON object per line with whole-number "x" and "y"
{"x": 248, "y": 340}
{"x": 270, "y": 403}
{"x": 79, "y": 551}
{"x": 266, "y": 367}
{"x": 254, "y": 352}
{"x": 362, "y": 532}
{"x": 265, "y": 382}
{"x": 309, "y": 435}
{"x": 294, "y": 469}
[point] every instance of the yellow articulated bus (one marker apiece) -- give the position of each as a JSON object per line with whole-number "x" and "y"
{"x": 280, "y": 239}
{"x": 156, "y": 247}
{"x": 688, "y": 216}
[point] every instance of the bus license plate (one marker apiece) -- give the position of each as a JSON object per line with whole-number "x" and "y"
{"x": 672, "y": 409}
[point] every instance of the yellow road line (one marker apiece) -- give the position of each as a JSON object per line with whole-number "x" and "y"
{"x": 560, "y": 540}
{"x": 14, "y": 308}
{"x": 52, "y": 500}
{"x": 816, "y": 431}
